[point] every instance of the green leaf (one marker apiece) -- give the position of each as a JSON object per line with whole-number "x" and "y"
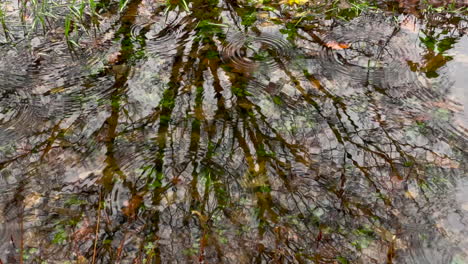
{"x": 342, "y": 260}
{"x": 60, "y": 237}
{"x": 249, "y": 18}
{"x": 429, "y": 42}
{"x": 277, "y": 100}
{"x": 445, "y": 44}
{"x": 185, "y": 6}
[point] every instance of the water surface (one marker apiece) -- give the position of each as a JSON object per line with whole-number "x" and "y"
{"x": 213, "y": 131}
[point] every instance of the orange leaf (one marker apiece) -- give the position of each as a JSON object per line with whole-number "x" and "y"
{"x": 337, "y": 46}
{"x": 133, "y": 205}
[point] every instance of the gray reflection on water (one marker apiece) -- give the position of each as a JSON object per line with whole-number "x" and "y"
{"x": 185, "y": 142}
{"x": 456, "y": 70}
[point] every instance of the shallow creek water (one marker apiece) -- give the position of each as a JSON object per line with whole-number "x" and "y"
{"x": 213, "y": 131}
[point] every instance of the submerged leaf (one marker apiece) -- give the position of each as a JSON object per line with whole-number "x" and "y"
{"x": 337, "y": 46}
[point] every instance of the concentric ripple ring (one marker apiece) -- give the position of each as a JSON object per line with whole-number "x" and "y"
{"x": 249, "y": 51}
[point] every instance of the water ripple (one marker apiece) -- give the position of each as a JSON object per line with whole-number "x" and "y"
{"x": 163, "y": 39}
{"x": 249, "y": 51}
{"x": 371, "y": 51}
{"x": 48, "y": 89}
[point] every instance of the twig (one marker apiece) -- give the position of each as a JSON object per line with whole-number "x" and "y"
{"x": 119, "y": 250}
{"x": 22, "y": 234}
{"x": 97, "y": 227}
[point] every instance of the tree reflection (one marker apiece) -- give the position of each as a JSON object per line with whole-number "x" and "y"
{"x": 216, "y": 139}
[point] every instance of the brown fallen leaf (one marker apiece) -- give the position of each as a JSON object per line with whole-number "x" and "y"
{"x": 113, "y": 58}
{"x": 410, "y": 6}
{"x": 336, "y": 46}
{"x": 132, "y": 206}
